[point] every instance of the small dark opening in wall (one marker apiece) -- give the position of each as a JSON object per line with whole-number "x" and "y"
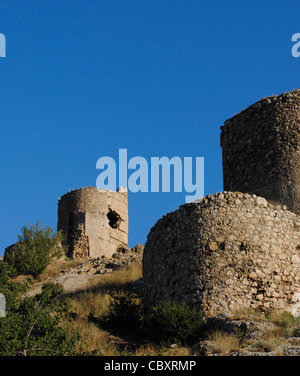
{"x": 114, "y": 219}
{"x": 221, "y": 246}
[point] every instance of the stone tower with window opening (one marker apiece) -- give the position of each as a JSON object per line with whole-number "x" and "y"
{"x": 94, "y": 221}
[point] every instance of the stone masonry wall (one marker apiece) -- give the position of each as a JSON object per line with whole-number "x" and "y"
{"x": 261, "y": 150}
{"x": 94, "y": 221}
{"x": 225, "y": 252}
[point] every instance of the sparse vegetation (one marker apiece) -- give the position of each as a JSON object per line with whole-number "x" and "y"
{"x": 223, "y": 342}
{"x": 126, "y": 311}
{"x": 172, "y": 323}
{"x": 35, "y": 249}
{"x": 33, "y": 326}
{"x": 108, "y": 318}
{"x": 118, "y": 308}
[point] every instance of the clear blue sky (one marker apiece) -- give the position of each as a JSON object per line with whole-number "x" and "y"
{"x": 83, "y": 79}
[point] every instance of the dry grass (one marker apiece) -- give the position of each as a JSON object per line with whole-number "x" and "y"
{"x": 57, "y": 266}
{"x": 285, "y": 325}
{"x": 246, "y": 313}
{"x": 223, "y": 342}
{"x": 107, "y": 344}
{"x": 95, "y": 338}
{"x": 52, "y": 270}
{"x": 91, "y": 303}
{"x": 117, "y": 279}
{"x": 269, "y": 342}
{"x": 94, "y": 301}
{"x": 95, "y": 298}
{"x": 154, "y": 350}
{"x": 283, "y": 319}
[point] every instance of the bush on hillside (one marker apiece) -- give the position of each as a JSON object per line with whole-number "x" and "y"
{"x": 172, "y": 323}
{"x": 126, "y": 311}
{"x": 33, "y": 326}
{"x": 168, "y": 323}
{"x": 36, "y": 248}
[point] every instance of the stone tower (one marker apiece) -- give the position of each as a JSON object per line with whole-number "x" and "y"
{"x": 261, "y": 150}
{"x": 235, "y": 249}
{"x": 94, "y": 221}
{"x": 225, "y": 252}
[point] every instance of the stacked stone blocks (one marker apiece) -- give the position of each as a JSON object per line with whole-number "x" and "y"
{"x": 235, "y": 249}
{"x": 94, "y": 221}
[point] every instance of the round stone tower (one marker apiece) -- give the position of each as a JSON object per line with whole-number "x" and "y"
{"x": 94, "y": 221}
{"x": 225, "y": 252}
{"x": 261, "y": 150}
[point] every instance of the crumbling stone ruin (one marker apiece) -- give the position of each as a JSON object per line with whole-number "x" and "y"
{"x": 94, "y": 221}
{"x": 227, "y": 251}
{"x": 261, "y": 150}
{"x": 104, "y": 264}
{"x": 236, "y": 250}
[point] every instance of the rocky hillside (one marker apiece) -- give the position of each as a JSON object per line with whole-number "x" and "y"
{"x": 80, "y": 276}
{"x": 245, "y": 333}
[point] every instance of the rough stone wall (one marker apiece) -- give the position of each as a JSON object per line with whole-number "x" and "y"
{"x": 261, "y": 150}
{"x": 94, "y": 221}
{"x": 225, "y": 252}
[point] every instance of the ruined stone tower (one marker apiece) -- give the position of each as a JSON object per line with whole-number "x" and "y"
{"x": 235, "y": 249}
{"x": 94, "y": 221}
{"x": 261, "y": 150}
{"x": 225, "y": 252}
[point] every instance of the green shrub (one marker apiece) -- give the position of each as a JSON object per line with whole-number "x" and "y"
{"x": 125, "y": 311}
{"x": 11, "y": 290}
{"x": 35, "y": 250}
{"x": 167, "y": 323}
{"x": 33, "y": 326}
{"x": 171, "y": 323}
